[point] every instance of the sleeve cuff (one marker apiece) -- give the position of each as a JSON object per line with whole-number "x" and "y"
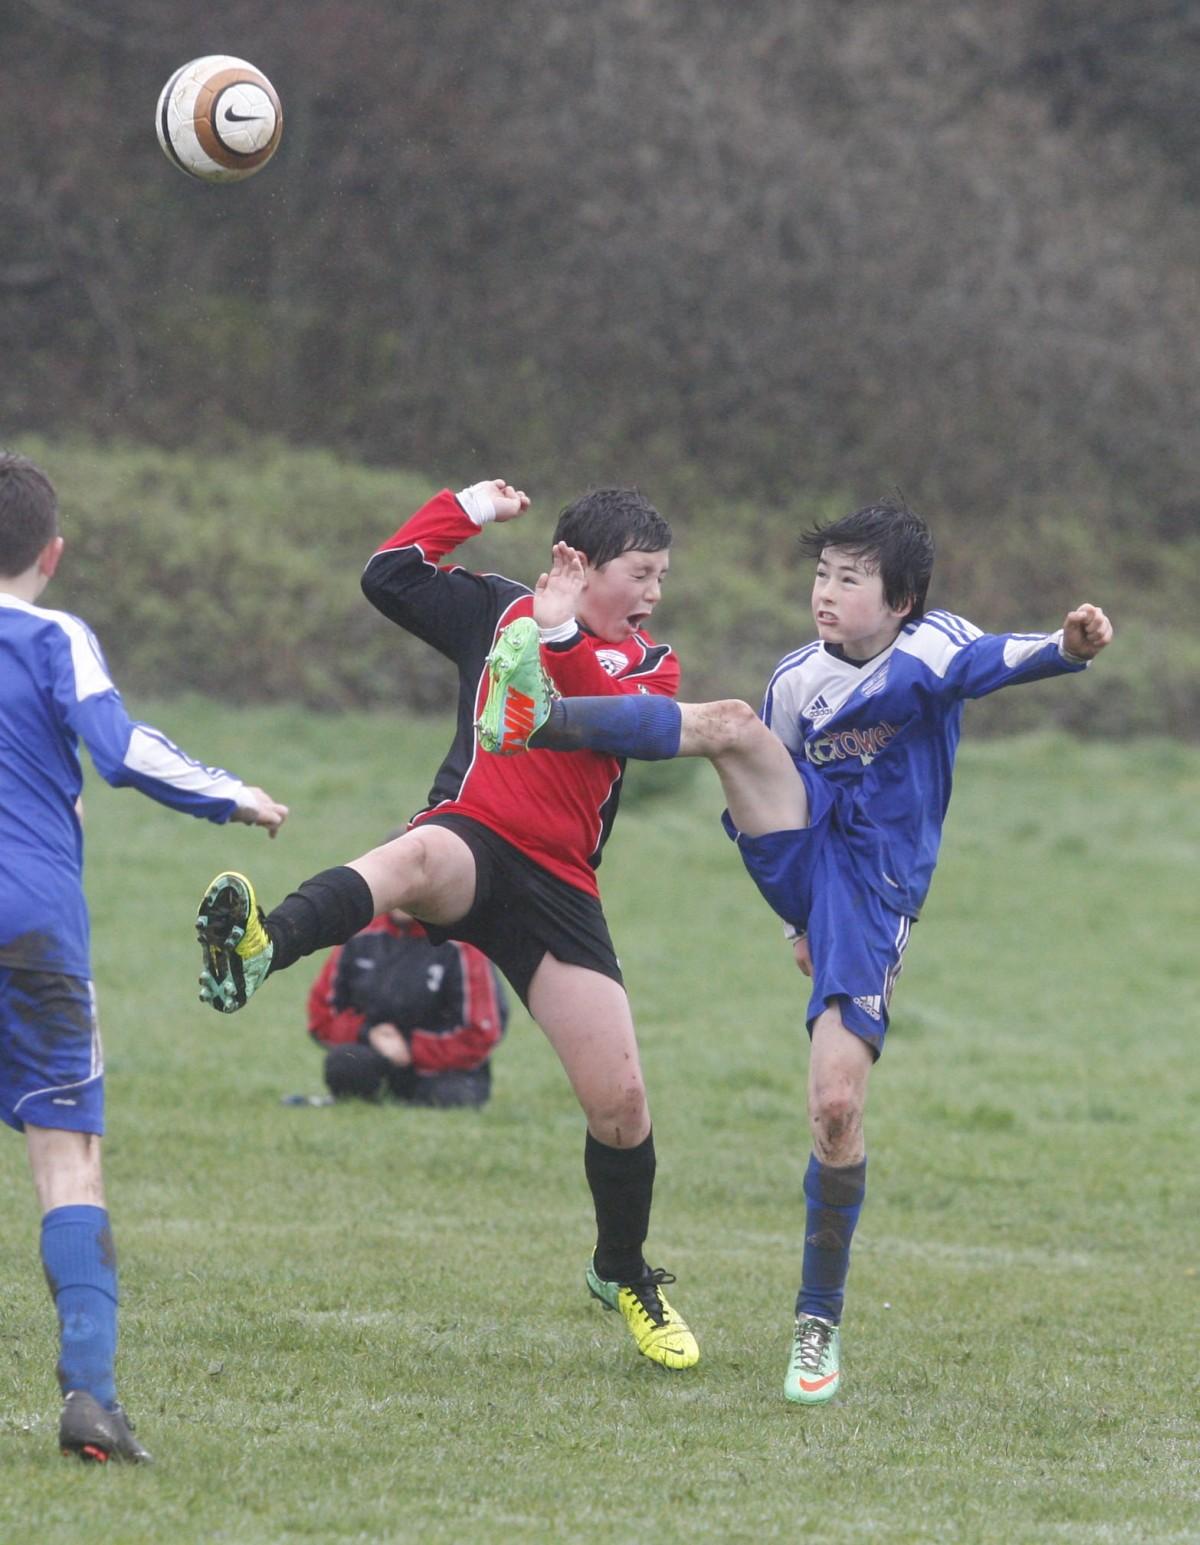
{"x": 1065, "y": 653}
{"x": 562, "y": 633}
{"x": 477, "y": 504}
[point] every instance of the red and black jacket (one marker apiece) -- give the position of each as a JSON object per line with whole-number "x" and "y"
{"x": 445, "y": 999}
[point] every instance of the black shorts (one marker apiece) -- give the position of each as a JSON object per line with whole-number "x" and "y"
{"x": 521, "y": 913}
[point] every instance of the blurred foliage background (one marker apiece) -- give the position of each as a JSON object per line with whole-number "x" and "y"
{"x": 767, "y": 260}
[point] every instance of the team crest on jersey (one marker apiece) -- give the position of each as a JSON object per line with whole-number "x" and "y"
{"x": 612, "y": 661}
{"x": 876, "y": 682}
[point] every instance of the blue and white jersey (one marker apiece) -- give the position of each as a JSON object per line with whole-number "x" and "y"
{"x": 885, "y": 734}
{"x": 55, "y": 690}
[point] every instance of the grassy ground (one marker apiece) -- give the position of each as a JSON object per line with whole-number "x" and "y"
{"x": 369, "y": 1324}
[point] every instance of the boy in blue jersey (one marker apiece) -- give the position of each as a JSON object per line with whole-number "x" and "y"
{"x": 836, "y": 798}
{"x": 55, "y": 691}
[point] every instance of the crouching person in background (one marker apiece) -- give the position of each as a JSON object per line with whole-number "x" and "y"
{"x": 401, "y": 1016}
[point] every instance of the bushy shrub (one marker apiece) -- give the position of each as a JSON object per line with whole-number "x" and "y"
{"x": 238, "y": 577}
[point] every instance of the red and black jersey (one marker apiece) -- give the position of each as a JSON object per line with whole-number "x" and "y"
{"x": 557, "y": 807}
{"x": 445, "y": 999}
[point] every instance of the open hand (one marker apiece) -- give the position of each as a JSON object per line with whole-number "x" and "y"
{"x": 556, "y": 594}
{"x": 257, "y": 808}
{"x": 1086, "y": 631}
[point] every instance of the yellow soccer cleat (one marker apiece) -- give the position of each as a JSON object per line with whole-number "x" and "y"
{"x": 661, "y": 1333}
{"x": 236, "y": 949}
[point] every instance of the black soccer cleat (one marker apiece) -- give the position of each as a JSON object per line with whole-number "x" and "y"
{"x": 87, "y": 1429}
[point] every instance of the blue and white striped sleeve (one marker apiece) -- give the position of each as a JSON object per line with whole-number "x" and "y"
{"x": 128, "y": 754}
{"x": 964, "y": 662}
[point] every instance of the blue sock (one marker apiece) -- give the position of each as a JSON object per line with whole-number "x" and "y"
{"x": 646, "y": 728}
{"x": 834, "y": 1198}
{"x": 81, "y": 1270}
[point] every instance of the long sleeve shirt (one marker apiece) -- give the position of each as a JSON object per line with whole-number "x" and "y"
{"x": 55, "y": 691}
{"x": 556, "y": 808}
{"x": 886, "y": 733}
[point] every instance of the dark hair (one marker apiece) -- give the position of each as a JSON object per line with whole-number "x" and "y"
{"x": 894, "y": 541}
{"x": 610, "y": 521}
{"x": 28, "y": 513}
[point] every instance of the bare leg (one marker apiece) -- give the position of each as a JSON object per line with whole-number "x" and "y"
{"x": 838, "y": 1070}
{"x": 763, "y": 790}
{"x": 586, "y": 1018}
{"x": 429, "y": 872}
{"x": 65, "y": 1167}
{"x": 834, "y": 1188}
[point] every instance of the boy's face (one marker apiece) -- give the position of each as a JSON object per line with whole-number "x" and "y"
{"x": 619, "y": 597}
{"x": 848, "y": 604}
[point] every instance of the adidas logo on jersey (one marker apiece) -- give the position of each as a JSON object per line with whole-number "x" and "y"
{"x": 872, "y": 1005}
{"x": 818, "y": 710}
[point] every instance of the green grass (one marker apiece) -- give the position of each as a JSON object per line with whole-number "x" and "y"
{"x": 370, "y": 1324}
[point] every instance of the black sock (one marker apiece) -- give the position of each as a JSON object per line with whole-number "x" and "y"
{"x": 622, "y": 1182}
{"x": 328, "y": 909}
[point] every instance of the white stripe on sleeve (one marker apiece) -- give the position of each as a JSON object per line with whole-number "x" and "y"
{"x": 154, "y": 756}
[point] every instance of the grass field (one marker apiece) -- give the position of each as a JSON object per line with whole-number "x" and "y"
{"x": 370, "y": 1324}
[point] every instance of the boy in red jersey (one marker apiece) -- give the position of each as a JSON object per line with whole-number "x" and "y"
{"x": 504, "y": 855}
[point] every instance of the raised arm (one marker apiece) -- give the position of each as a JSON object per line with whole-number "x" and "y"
{"x": 557, "y": 592}
{"x": 963, "y": 662}
{"x": 451, "y": 609}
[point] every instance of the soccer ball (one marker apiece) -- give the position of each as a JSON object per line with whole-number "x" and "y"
{"x": 219, "y": 119}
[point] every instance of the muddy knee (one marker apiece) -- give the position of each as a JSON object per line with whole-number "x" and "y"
{"x": 728, "y": 726}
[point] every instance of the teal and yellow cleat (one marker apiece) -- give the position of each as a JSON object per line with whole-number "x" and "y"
{"x": 237, "y": 952}
{"x": 659, "y": 1331}
{"x": 519, "y": 691}
{"x": 815, "y": 1369}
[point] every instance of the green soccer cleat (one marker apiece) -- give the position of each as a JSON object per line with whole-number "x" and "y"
{"x": 237, "y": 952}
{"x": 815, "y": 1367}
{"x": 660, "y": 1332}
{"x": 519, "y": 690}
{"x": 87, "y": 1429}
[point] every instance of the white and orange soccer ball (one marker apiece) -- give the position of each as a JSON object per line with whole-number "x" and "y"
{"x": 219, "y": 119}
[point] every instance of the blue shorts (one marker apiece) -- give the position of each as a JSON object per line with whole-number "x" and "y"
{"x": 856, "y": 940}
{"x": 51, "y": 1064}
